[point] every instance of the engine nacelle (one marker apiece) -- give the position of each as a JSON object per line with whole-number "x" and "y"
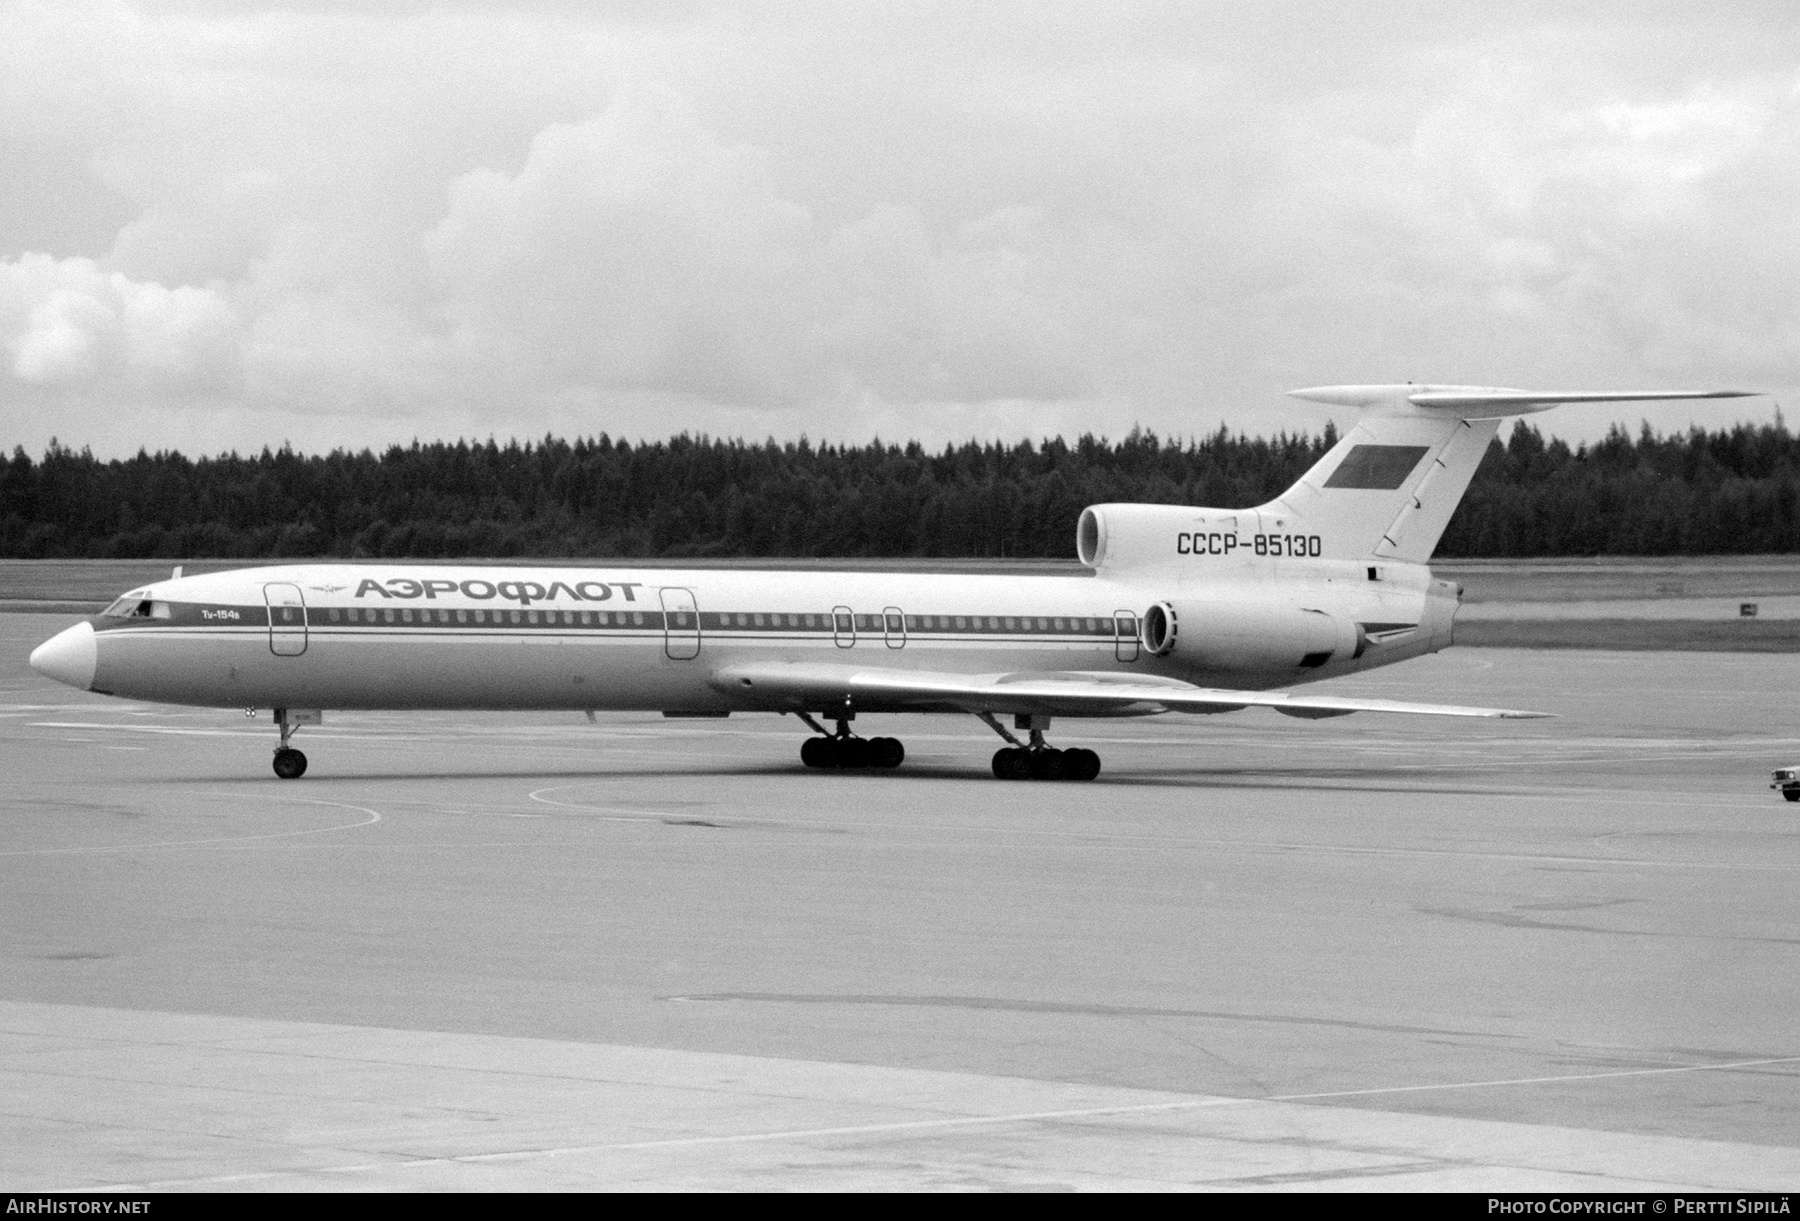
{"x": 1132, "y": 535}
{"x": 1247, "y": 638}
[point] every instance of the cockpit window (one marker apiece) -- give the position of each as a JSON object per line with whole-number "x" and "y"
{"x": 135, "y": 606}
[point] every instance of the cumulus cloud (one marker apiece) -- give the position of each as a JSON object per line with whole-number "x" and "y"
{"x": 636, "y": 251}
{"x": 66, "y": 321}
{"x": 633, "y": 250}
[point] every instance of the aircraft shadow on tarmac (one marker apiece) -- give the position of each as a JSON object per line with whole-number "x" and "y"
{"x": 1369, "y": 780}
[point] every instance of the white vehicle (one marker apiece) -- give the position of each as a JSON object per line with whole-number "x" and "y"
{"x": 1787, "y": 779}
{"x": 1180, "y": 610}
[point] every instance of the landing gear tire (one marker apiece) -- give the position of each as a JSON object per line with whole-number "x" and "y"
{"x": 1045, "y": 764}
{"x": 886, "y": 752}
{"x": 290, "y": 764}
{"x": 819, "y": 752}
{"x": 1080, "y": 764}
{"x": 1012, "y": 763}
{"x": 1791, "y": 794}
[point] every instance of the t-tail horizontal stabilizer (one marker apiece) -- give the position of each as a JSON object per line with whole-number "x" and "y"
{"x": 1387, "y": 490}
{"x": 1472, "y": 402}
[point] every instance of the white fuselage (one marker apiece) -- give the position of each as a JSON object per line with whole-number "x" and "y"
{"x": 400, "y": 635}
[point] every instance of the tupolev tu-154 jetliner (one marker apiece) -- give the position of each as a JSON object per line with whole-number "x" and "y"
{"x": 1180, "y": 610}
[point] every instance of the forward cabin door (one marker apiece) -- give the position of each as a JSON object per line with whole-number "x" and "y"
{"x": 287, "y": 619}
{"x": 681, "y": 624}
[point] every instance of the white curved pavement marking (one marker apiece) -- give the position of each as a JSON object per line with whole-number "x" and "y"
{"x": 373, "y": 818}
{"x": 601, "y": 813}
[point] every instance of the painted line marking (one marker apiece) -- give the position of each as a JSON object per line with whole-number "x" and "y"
{"x": 948, "y": 1122}
{"x": 372, "y": 819}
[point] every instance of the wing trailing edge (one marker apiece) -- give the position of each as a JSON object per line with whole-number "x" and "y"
{"x": 801, "y": 686}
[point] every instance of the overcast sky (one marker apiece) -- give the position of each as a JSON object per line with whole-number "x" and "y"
{"x": 233, "y": 225}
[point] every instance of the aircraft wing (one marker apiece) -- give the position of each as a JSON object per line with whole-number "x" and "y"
{"x": 806, "y": 686}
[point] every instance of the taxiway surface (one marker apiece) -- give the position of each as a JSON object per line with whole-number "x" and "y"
{"x": 477, "y": 950}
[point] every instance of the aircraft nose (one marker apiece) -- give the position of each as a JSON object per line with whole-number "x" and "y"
{"x": 68, "y": 657}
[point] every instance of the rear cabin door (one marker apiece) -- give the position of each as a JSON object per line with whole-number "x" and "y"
{"x": 681, "y": 624}
{"x": 843, "y": 627}
{"x": 893, "y": 622}
{"x": 1125, "y": 635}
{"x": 287, "y": 619}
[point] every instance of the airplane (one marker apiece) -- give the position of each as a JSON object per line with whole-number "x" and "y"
{"x": 1178, "y": 609}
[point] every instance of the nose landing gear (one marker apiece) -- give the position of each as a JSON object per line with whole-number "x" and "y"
{"x": 1037, "y": 760}
{"x": 847, "y": 751}
{"x": 290, "y": 764}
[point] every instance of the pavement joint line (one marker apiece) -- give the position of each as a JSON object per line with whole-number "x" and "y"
{"x": 954, "y": 1122}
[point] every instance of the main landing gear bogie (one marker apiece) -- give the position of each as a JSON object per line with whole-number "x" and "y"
{"x": 1037, "y": 759}
{"x": 844, "y": 749}
{"x": 1045, "y": 763}
{"x": 851, "y": 753}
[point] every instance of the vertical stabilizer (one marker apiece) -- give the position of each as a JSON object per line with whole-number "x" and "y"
{"x": 1387, "y": 490}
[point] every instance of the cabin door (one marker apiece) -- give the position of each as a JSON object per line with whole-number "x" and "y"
{"x": 287, "y": 619}
{"x": 893, "y": 621}
{"x": 1125, "y": 635}
{"x": 681, "y": 624}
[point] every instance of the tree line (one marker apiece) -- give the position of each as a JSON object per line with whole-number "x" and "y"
{"x": 1723, "y": 492}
